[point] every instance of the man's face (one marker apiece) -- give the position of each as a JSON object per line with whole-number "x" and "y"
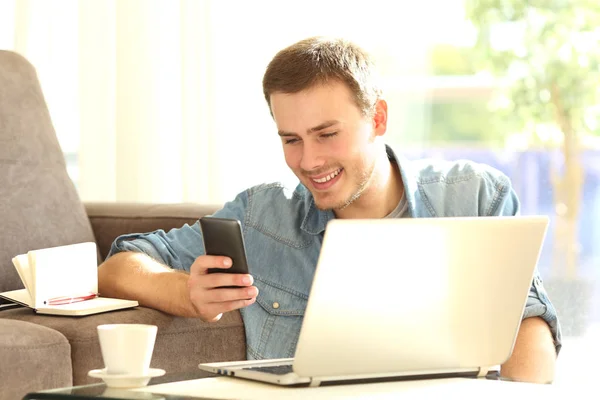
{"x": 327, "y": 142}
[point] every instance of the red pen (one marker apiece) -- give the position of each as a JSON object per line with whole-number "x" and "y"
{"x": 56, "y": 301}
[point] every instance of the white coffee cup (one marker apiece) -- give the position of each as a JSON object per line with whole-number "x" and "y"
{"x": 127, "y": 348}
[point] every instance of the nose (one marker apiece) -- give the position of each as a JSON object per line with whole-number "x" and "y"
{"x": 311, "y": 156}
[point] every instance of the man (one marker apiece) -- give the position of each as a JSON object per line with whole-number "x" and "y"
{"x": 331, "y": 120}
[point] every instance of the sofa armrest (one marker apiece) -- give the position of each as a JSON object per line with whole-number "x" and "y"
{"x": 181, "y": 343}
{"x": 110, "y": 220}
{"x": 33, "y": 358}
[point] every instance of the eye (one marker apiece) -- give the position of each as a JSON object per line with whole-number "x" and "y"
{"x": 291, "y": 141}
{"x": 328, "y": 135}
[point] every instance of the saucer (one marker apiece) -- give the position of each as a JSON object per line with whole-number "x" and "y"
{"x": 125, "y": 380}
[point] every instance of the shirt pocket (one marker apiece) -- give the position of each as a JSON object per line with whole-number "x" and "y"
{"x": 281, "y": 311}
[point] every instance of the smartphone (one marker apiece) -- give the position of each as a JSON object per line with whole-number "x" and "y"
{"x": 223, "y": 237}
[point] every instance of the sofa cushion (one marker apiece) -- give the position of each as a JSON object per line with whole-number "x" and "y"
{"x": 33, "y": 358}
{"x": 110, "y": 220}
{"x": 181, "y": 343}
{"x": 39, "y": 206}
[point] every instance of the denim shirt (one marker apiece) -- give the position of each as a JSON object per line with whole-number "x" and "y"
{"x": 283, "y": 232}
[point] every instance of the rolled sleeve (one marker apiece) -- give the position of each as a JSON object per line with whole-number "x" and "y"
{"x": 539, "y": 305}
{"x": 135, "y": 242}
{"x": 171, "y": 249}
{"x": 179, "y": 247}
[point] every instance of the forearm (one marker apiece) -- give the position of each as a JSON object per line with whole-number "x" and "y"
{"x": 136, "y": 276}
{"x": 534, "y": 356}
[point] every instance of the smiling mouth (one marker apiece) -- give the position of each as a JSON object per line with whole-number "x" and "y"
{"x": 328, "y": 177}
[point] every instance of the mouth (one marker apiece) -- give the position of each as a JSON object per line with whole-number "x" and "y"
{"x": 327, "y": 181}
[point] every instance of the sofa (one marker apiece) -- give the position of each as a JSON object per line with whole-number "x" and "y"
{"x": 39, "y": 208}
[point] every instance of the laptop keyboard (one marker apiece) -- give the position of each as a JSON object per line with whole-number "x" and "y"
{"x": 273, "y": 369}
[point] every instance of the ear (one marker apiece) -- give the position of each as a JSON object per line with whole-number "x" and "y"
{"x": 380, "y": 118}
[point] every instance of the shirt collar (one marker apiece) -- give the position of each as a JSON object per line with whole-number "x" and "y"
{"x": 315, "y": 220}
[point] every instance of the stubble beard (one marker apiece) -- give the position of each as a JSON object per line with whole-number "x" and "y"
{"x": 361, "y": 187}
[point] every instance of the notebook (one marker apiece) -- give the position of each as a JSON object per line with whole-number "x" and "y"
{"x": 62, "y": 280}
{"x": 407, "y": 299}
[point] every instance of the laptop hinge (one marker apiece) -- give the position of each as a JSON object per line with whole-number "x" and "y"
{"x": 314, "y": 383}
{"x": 483, "y": 371}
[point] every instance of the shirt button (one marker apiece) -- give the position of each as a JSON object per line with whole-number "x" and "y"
{"x": 276, "y": 305}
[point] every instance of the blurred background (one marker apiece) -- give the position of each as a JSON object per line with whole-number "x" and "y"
{"x": 161, "y": 101}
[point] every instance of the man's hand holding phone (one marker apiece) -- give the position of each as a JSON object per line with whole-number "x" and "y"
{"x": 214, "y": 293}
{"x": 220, "y": 281}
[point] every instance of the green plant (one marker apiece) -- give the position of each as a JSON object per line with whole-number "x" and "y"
{"x": 546, "y": 55}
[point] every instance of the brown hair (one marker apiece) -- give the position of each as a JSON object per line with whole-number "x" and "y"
{"x": 319, "y": 60}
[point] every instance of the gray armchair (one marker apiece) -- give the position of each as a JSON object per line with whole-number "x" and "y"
{"x": 39, "y": 207}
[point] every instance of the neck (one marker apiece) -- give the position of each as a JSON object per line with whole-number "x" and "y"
{"x": 382, "y": 195}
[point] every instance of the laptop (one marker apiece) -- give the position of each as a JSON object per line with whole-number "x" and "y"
{"x": 409, "y": 298}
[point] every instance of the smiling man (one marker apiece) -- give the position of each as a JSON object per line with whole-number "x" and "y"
{"x": 331, "y": 119}
{"x": 342, "y": 161}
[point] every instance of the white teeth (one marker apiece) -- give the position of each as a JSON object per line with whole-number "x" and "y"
{"x": 328, "y": 177}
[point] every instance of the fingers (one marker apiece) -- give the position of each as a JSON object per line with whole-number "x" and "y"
{"x": 219, "y": 280}
{"x": 216, "y": 293}
{"x": 201, "y": 296}
{"x": 213, "y": 311}
{"x": 227, "y": 295}
{"x": 203, "y": 263}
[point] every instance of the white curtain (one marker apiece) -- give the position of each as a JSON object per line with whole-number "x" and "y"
{"x": 161, "y": 100}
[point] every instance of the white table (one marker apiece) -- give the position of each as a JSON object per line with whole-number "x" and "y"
{"x": 228, "y": 388}
{"x": 577, "y": 374}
